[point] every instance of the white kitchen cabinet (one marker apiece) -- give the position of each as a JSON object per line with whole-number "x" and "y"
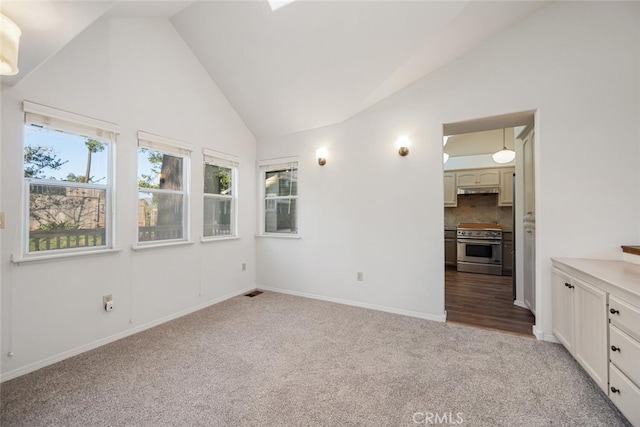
{"x": 505, "y": 197}
{"x": 596, "y": 316}
{"x": 478, "y": 178}
{"x": 528, "y": 267}
{"x": 528, "y": 175}
{"x": 562, "y": 308}
{"x": 579, "y": 314}
{"x": 624, "y": 356}
{"x": 450, "y": 192}
{"x": 590, "y": 331}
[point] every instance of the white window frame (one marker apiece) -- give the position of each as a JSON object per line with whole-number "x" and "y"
{"x": 265, "y": 166}
{"x": 173, "y": 148}
{"x": 228, "y": 161}
{"x": 76, "y": 124}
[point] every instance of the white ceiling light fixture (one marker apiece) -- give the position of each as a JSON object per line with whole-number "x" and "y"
{"x": 9, "y": 40}
{"x": 504, "y": 155}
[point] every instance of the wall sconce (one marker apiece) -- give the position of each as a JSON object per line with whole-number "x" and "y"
{"x": 402, "y": 144}
{"x": 322, "y": 154}
{"x": 9, "y": 39}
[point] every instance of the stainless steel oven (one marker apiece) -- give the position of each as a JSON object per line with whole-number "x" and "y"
{"x": 480, "y": 248}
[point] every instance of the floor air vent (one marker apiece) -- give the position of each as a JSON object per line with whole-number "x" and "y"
{"x": 253, "y": 294}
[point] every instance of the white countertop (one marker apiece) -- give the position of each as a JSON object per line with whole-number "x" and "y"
{"x": 613, "y": 274}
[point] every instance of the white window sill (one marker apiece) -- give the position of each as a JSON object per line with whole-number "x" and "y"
{"x": 159, "y": 245}
{"x": 218, "y": 239}
{"x": 281, "y": 236}
{"x": 61, "y": 256}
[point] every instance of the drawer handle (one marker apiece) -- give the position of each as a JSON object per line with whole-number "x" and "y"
{"x": 615, "y": 390}
{"x": 614, "y": 311}
{"x": 614, "y": 348}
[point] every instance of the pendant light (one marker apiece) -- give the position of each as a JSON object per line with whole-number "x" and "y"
{"x": 9, "y": 40}
{"x": 504, "y": 155}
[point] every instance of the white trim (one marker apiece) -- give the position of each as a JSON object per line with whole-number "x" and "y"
{"x": 435, "y": 318}
{"x": 281, "y": 236}
{"x": 521, "y": 304}
{"x": 280, "y": 161}
{"x": 163, "y": 143}
{"x": 99, "y": 343}
{"x": 541, "y": 335}
{"x": 227, "y": 160}
{"x": 31, "y": 107}
{"x": 61, "y": 256}
{"x": 163, "y": 243}
{"x": 210, "y": 239}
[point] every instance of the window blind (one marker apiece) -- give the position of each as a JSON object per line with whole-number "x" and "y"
{"x": 53, "y": 118}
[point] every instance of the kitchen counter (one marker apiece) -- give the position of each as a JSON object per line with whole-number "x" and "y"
{"x": 620, "y": 276}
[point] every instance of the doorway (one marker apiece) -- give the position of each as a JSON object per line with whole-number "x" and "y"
{"x": 499, "y": 196}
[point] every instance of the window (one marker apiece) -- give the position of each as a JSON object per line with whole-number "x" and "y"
{"x": 280, "y": 193}
{"x": 220, "y": 175}
{"x": 163, "y": 171}
{"x": 67, "y": 181}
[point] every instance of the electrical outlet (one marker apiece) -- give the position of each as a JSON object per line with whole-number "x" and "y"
{"x": 107, "y": 302}
{"x": 360, "y": 276}
{"x": 244, "y": 267}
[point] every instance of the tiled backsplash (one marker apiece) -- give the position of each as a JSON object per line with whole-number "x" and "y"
{"x": 479, "y": 208}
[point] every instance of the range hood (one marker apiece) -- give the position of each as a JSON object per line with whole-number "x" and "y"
{"x": 478, "y": 190}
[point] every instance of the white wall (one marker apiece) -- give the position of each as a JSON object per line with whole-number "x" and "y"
{"x": 137, "y": 73}
{"x": 370, "y": 210}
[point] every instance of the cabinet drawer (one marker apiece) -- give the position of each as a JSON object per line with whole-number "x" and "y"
{"x": 625, "y": 316}
{"x": 626, "y": 357}
{"x": 627, "y": 397}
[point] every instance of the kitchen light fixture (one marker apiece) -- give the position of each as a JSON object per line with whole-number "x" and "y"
{"x": 322, "y": 154}
{"x": 504, "y": 155}
{"x": 402, "y": 144}
{"x": 9, "y": 40}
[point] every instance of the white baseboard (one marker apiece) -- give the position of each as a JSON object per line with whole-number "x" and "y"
{"x": 436, "y": 318}
{"x": 521, "y": 304}
{"x": 99, "y": 343}
{"x": 541, "y": 335}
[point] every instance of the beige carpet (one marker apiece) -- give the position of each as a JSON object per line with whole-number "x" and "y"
{"x": 279, "y": 360}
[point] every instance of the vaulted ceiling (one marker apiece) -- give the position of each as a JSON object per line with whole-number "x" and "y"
{"x": 305, "y": 65}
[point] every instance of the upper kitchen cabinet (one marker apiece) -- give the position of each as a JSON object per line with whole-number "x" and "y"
{"x": 450, "y": 195}
{"x": 528, "y": 140}
{"x": 478, "y": 178}
{"x": 505, "y": 197}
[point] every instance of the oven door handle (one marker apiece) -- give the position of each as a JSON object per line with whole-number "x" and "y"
{"x": 480, "y": 242}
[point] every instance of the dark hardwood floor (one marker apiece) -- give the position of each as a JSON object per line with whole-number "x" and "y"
{"x": 485, "y": 301}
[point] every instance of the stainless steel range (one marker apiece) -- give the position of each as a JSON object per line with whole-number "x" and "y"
{"x": 480, "y": 248}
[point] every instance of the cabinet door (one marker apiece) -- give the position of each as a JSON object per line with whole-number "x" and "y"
{"x": 466, "y": 178}
{"x": 505, "y": 198}
{"x": 507, "y": 256}
{"x": 529, "y": 177}
{"x": 450, "y": 194}
{"x": 488, "y": 177}
{"x": 528, "y": 267}
{"x": 562, "y": 308}
{"x": 591, "y": 331}
{"x": 450, "y": 252}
